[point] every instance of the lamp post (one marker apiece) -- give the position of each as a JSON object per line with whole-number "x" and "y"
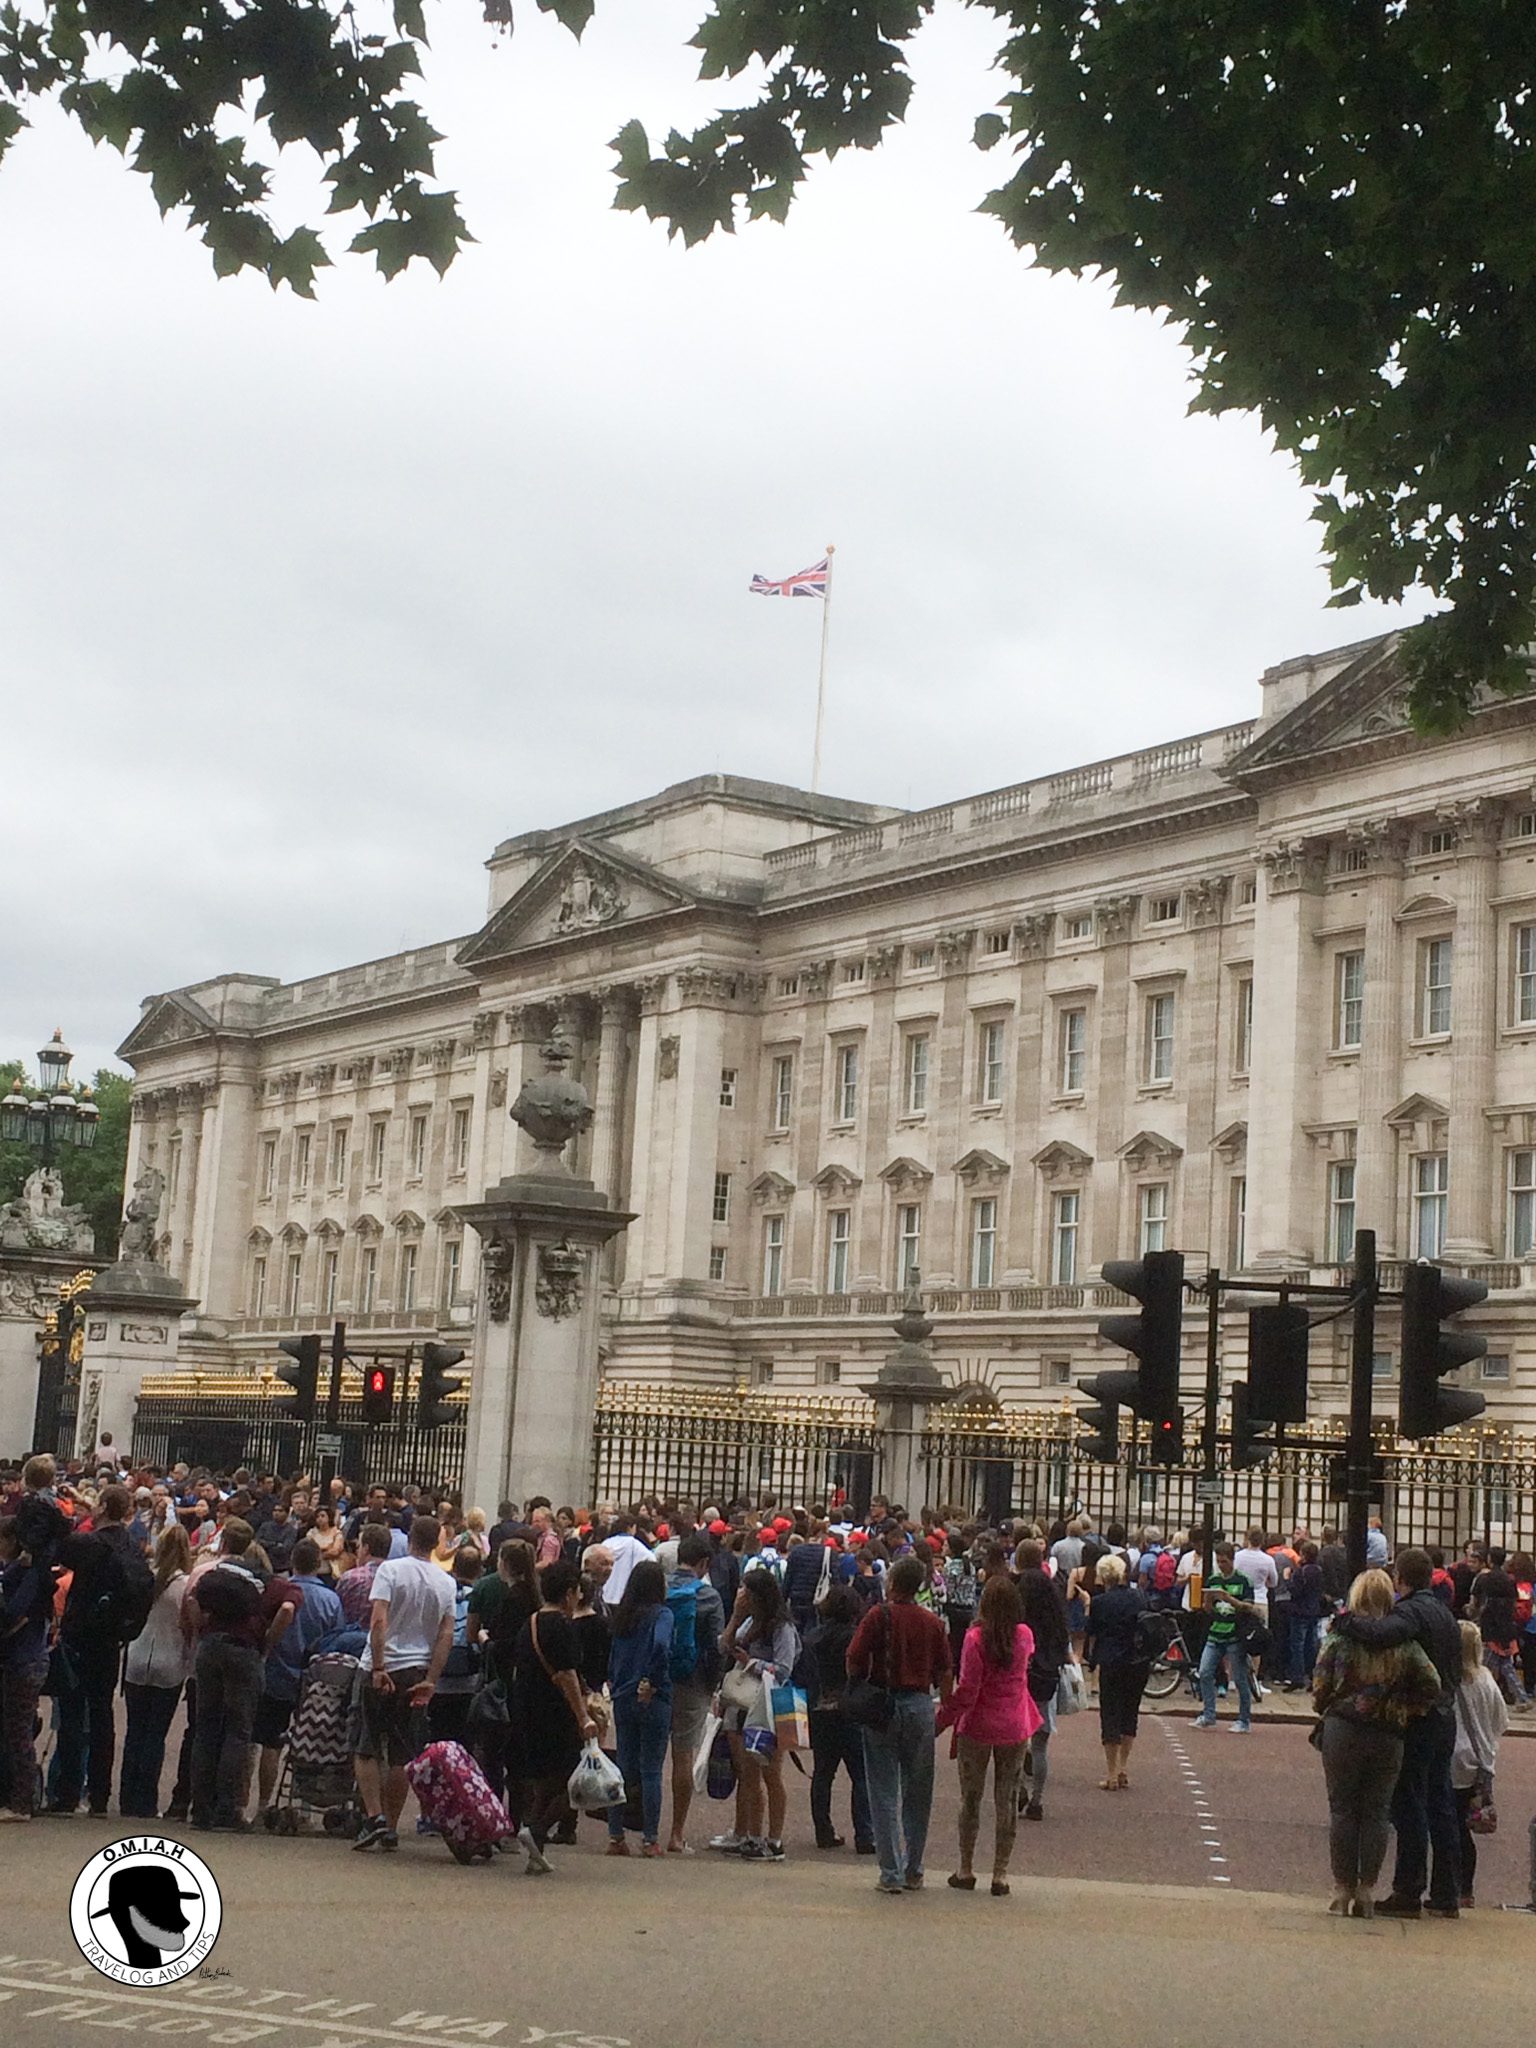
{"x": 56, "y": 1113}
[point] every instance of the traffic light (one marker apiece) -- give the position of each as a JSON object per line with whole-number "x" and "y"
{"x": 1338, "y": 1477}
{"x": 1277, "y": 1362}
{"x": 378, "y": 1393}
{"x": 1108, "y": 1392}
{"x": 1250, "y": 1444}
{"x": 1424, "y": 1407}
{"x": 303, "y": 1375}
{"x": 438, "y": 1380}
{"x": 1157, "y": 1282}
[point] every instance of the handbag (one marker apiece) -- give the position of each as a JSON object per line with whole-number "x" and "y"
{"x": 463, "y": 1661}
{"x": 704, "y": 1752}
{"x": 1482, "y": 1814}
{"x": 62, "y": 1680}
{"x": 867, "y": 1702}
{"x": 1070, "y": 1690}
{"x": 488, "y": 1717}
{"x": 740, "y": 1689}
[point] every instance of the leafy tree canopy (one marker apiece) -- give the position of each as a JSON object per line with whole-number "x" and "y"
{"x": 93, "y": 1178}
{"x": 1334, "y": 200}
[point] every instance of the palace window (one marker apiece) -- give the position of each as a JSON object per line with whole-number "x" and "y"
{"x": 1341, "y": 1211}
{"x": 1066, "y": 1216}
{"x": 915, "y": 1075}
{"x": 721, "y": 1209}
{"x": 303, "y": 1148}
{"x": 378, "y": 1138}
{"x": 458, "y": 1140}
{"x": 773, "y": 1255}
{"x": 1162, "y": 910}
{"x": 920, "y": 956}
{"x": 839, "y": 1223}
{"x": 1243, "y": 1033}
{"x": 995, "y": 942}
{"x": 983, "y": 1241}
{"x": 1434, "y": 988}
{"x": 1077, "y": 927}
{"x": 341, "y": 1138}
{"x": 783, "y": 1091}
{"x": 453, "y": 1266}
{"x": 1153, "y": 1217}
{"x": 909, "y": 1243}
{"x": 1431, "y": 1185}
{"x": 717, "y": 1262}
{"x": 292, "y": 1283}
{"x": 258, "y": 1287}
{"x": 1074, "y": 1051}
{"x": 727, "y": 1087}
{"x": 368, "y": 1278}
{"x": 1349, "y": 1002}
{"x": 989, "y": 1062}
{"x": 410, "y": 1264}
{"x": 845, "y": 1087}
{"x": 266, "y": 1176}
{"x": 330, "y": 1282}
{"x": 1237, "y": 1223}
{"x": 853, "y": 971}
{"x": 1159, "y": 1044}
{"x": 1523, "y": 1008}
{"x": 416, "y": 1146}
{"x": 1522, "y": 1204}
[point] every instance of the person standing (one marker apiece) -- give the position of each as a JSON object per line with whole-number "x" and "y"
{"x": 316, "y": 1611}
{"x": 159, "y": 1665}
{"x": 1045, "y": 1615}
{"x": 1112, "y": 1647}
{"x": 243, "y": 1613}
{"x": 761, "y": 1641}
{"x": 1482, "y": 1717}
{"x": 689, "y": 1592}
{"x": 834, "y": 1738}
{"x": 26, "y": 1595}
{"x": 640, "y": 1686}
{"x": 1226, "y": 1599}
{"x": 902, "y": 1646}
{"x": 1367, "y": 1696}
{"x": 410, "y": 1632}
{"x": 550, "y": 1716}
{"x": 1306, "y": 1616}
{"x": 1423, "y": 1800}
{"x": 1333, "y": 1563}
{"x": 626, "y": 1550}
{"x": 994, "y": 1717}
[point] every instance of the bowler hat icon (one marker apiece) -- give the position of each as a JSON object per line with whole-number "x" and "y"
{"x": 144, "y": 1904}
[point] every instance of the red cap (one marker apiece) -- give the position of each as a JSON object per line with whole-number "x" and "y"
{"x": 663, "y": 1532}
{"x": 936, "y": 1542}
{"x": 781, "y": 1523}
{"x": 719, "y": 1528}
{"x": 857, "y": 1536}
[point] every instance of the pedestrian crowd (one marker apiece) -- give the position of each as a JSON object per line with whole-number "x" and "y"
{"x": 619, "y": 1661}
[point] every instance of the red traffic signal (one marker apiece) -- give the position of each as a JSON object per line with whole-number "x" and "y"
{"x": 378, "y": 1393}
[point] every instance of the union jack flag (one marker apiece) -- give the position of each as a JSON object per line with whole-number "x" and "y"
{"x": 810, "y": 582}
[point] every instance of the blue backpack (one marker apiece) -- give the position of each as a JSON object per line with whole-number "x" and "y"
{"x": 683, "y": 1606}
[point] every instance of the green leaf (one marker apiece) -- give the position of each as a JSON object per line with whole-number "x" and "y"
{"x": 572, "y": 14}
{"x": 989, "y": 131}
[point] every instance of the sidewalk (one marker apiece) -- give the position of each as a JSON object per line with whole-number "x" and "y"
{"x": 1288, "y": 1706}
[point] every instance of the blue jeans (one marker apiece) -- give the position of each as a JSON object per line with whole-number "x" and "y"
{"x": 1303, "y": 1650}
{"x": 151, "y": 1710}
{"x": 1424, "y": 1812}
{"x": 644, "y": 1730}
{"x": 898, "y": 1766}
{"x": 1237, "y": 1664}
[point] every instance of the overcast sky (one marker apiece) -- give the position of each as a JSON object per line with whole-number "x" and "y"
{"x": 306, "y": 605}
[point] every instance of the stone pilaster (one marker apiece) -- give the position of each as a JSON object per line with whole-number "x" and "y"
{"x": 1381, "y": 1050}
{"x": 1032, "y": 1073}
{"x": 1285, "y": 1041}
{"x": 617, "y": 1008}
{"x": 884, "y": 1080}
{"x": 800, "y": 1275}
{"x": 1118, "y": 1074}
{"x": 952, "y": 1083}
{"x": 1470, "y": 1228}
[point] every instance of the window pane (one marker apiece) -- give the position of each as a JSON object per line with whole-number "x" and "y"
{"x": 1436, "y": 1017}
{"x": 917, "y": 1075}
{"x": 1525, "y": 975}
{"x": 1430, "y": 1184}
{"x": 1074, "y": 1051}
{"x": 1522, "y": 1204}
{"x": 1064, "y": 1221}
{"x": 1349, "y": 1025}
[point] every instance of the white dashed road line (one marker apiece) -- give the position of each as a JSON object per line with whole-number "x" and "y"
{"x": 1209, "y": 1832}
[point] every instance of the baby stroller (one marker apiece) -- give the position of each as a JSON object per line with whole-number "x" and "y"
{"x": 316, "y": 1775}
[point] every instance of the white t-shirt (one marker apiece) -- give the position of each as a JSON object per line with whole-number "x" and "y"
{"x": 1189, "y": 1564}
{"x": 419, "y": 1593}
{"x": 626, "y": 1551}
{"x": 1258, "y": 1568}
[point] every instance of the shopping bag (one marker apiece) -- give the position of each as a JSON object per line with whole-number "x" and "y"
{"x": 1070, "y": 1690}
{"x": 722, "y": 1768}
{"x": 596, "y": 1783}
{"x": 791, "y": 1722}
{"x": 706, "y": 1745}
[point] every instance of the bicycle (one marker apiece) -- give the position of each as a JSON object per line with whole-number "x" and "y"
{"x": 1177, "y": 1661}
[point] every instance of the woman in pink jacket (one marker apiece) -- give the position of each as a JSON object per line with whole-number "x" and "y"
{"x": 993, "y": 1717}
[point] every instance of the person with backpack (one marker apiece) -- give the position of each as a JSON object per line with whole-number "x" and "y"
{"x": 110, "y": 1596}
{"x": 1522, "y": 1569}
{"x": 640, "y": 1683}
{"x": 698, "y": 1622}
{"x": 241, "y": 1613}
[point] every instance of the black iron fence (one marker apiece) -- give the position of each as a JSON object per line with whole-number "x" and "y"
{"x": 719, "y": 1447}
{"x": 249, "y": 1427}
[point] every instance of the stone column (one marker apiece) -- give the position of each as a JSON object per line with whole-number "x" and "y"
{"x": 1470, "y": 1227}
{"x": 1032, "y": 940}
{"x": 1284, "y": 1048}
{"x": 616, "y": 1010}
{"x": 800, "y": 1250}
{"x": 884, "y": 1079}
{"x": 645, "y": 1254}
{"x": 952, "y": 1084}
{"x": 1118, "y": 1077}
{"x": 1376, "y": 1147}
{"x": 537, "y": 1363}
{"x": 1209, "y": 992}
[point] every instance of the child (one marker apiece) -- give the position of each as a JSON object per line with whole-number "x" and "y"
{"x": 41, "y": 1524}
{"x": 1481, "y": 1718}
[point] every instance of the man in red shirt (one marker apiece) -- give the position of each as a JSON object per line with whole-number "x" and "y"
{"x": 905, "y": 1648}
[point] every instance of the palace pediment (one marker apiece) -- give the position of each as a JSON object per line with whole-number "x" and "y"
{"x": 169, "y": 1020}
{"x": 585, "y": 889}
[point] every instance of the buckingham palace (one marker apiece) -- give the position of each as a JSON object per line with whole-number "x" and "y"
{"x": 1235, "y": 994}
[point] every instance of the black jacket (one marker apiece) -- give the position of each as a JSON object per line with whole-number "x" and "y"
{"x": 1422, "y": 1618}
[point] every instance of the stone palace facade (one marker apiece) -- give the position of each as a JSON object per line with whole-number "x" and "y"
{"x": 1235, "y": 994}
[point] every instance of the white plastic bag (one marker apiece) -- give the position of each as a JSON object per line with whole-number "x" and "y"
{"x": 596, "y": 1783}
{"x": 701, "y": 1760}
{"x": 1071, "y": 1693}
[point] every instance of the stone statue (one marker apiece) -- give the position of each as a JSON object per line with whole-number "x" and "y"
{"x": 136, "y": 1243}
{"x": 588, "y": 899}
{"x": 552, "y": 1109}
{"x": 41, "y": 1220}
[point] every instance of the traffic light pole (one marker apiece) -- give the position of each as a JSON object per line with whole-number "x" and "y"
{"x": 338, "y": 1356}
{"x": 1208, "y": 1431}
{"x": 1361, "y": 1358}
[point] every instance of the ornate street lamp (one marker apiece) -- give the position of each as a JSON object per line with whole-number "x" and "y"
{"x": 56, "y": 1113}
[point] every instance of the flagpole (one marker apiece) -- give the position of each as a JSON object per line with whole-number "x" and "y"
{"x": 821, "y": 674}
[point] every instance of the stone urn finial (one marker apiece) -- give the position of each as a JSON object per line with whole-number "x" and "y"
{"x": 910, "y": 1368}
{"x": 553, "y": 1109}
